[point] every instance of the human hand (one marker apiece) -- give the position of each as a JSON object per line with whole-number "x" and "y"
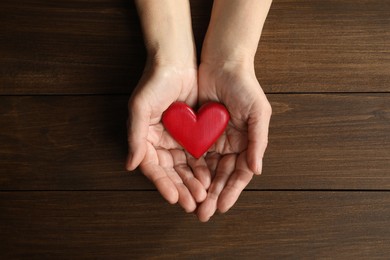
{"x": 226, "y": 75}
{"x": 178, "y": 177}
{"x": 238, "y": 153}
{"x": 233, "y": 32}
{"x": 170, "y": 75}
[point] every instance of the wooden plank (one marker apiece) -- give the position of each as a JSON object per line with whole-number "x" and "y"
{"x": 331, "y": 225}
{"x": 81, "y": 46}
{"x": 332, "y": 141}
{"x": 69, "y": 47}
{"x": 320, "y": 141}
{"x": 326, "y": 45}
{"x": 75, "y": 46}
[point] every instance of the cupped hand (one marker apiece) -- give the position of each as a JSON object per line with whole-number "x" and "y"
{"x": 237, "y": 154}
{"x": 176, "y": 175}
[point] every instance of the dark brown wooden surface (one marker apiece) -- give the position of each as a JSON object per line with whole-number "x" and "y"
{"x": 343, "y": 225}
{"x": 67, "y": 68}
{"x": 326, "y": 45}
{"x": 307, "y": 45}
{"x": 327, "y": 141}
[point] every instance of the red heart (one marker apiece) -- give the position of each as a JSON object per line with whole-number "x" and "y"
{"x": 196, "y": 132}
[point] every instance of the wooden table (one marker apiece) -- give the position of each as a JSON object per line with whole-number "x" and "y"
{"x": 67, "y": 68}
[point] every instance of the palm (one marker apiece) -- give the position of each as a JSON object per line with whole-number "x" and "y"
{"x": 233, "y": 140}
{"x": 232, "y": 160}
{"x": 161, "y": 159}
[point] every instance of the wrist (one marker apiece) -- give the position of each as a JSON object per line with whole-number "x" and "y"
{"x": 178, "y": 57}
{"x": 222, "y": 54}
{"x": 234, "y": 31}
{"x": 223, "y": 43}
{"x": 228, "y": 62}
{"x": 167, "y": 32}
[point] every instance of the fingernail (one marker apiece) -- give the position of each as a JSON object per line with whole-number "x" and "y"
{"x": 128, "y": 162}
{"x": 258, "y": 167}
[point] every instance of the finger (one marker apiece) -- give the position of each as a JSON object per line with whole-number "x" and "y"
{"x": 182, "y": 168}
{"x": 192, "y": 97}
{"x": 209, "y": 206}
{"x": 258, "y": 124}
{"x": 137, "y": 131}
{"x": 212, "y": 160}
{"x": 155, "y": 173}
{"x": 200, "y": 170}
{"x": 240, "y": 178}
{"x": 185, "y": 199}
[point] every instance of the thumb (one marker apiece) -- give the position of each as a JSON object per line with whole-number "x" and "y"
{"x": 258, "y": 124}
{"x": 137, "y": 132}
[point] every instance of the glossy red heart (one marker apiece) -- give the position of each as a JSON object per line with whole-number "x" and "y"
{"x": 196, "y": 132}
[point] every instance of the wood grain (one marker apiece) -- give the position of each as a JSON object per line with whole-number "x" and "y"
{"x": 139, "y": 225}
{"x": 325, "y": 46}
{"x": 96, "y": 47}
{"x": 66, "y": 70}
{"x": 329, "y": 141}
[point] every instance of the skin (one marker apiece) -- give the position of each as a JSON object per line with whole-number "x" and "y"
{"x": 225, "y": 74}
